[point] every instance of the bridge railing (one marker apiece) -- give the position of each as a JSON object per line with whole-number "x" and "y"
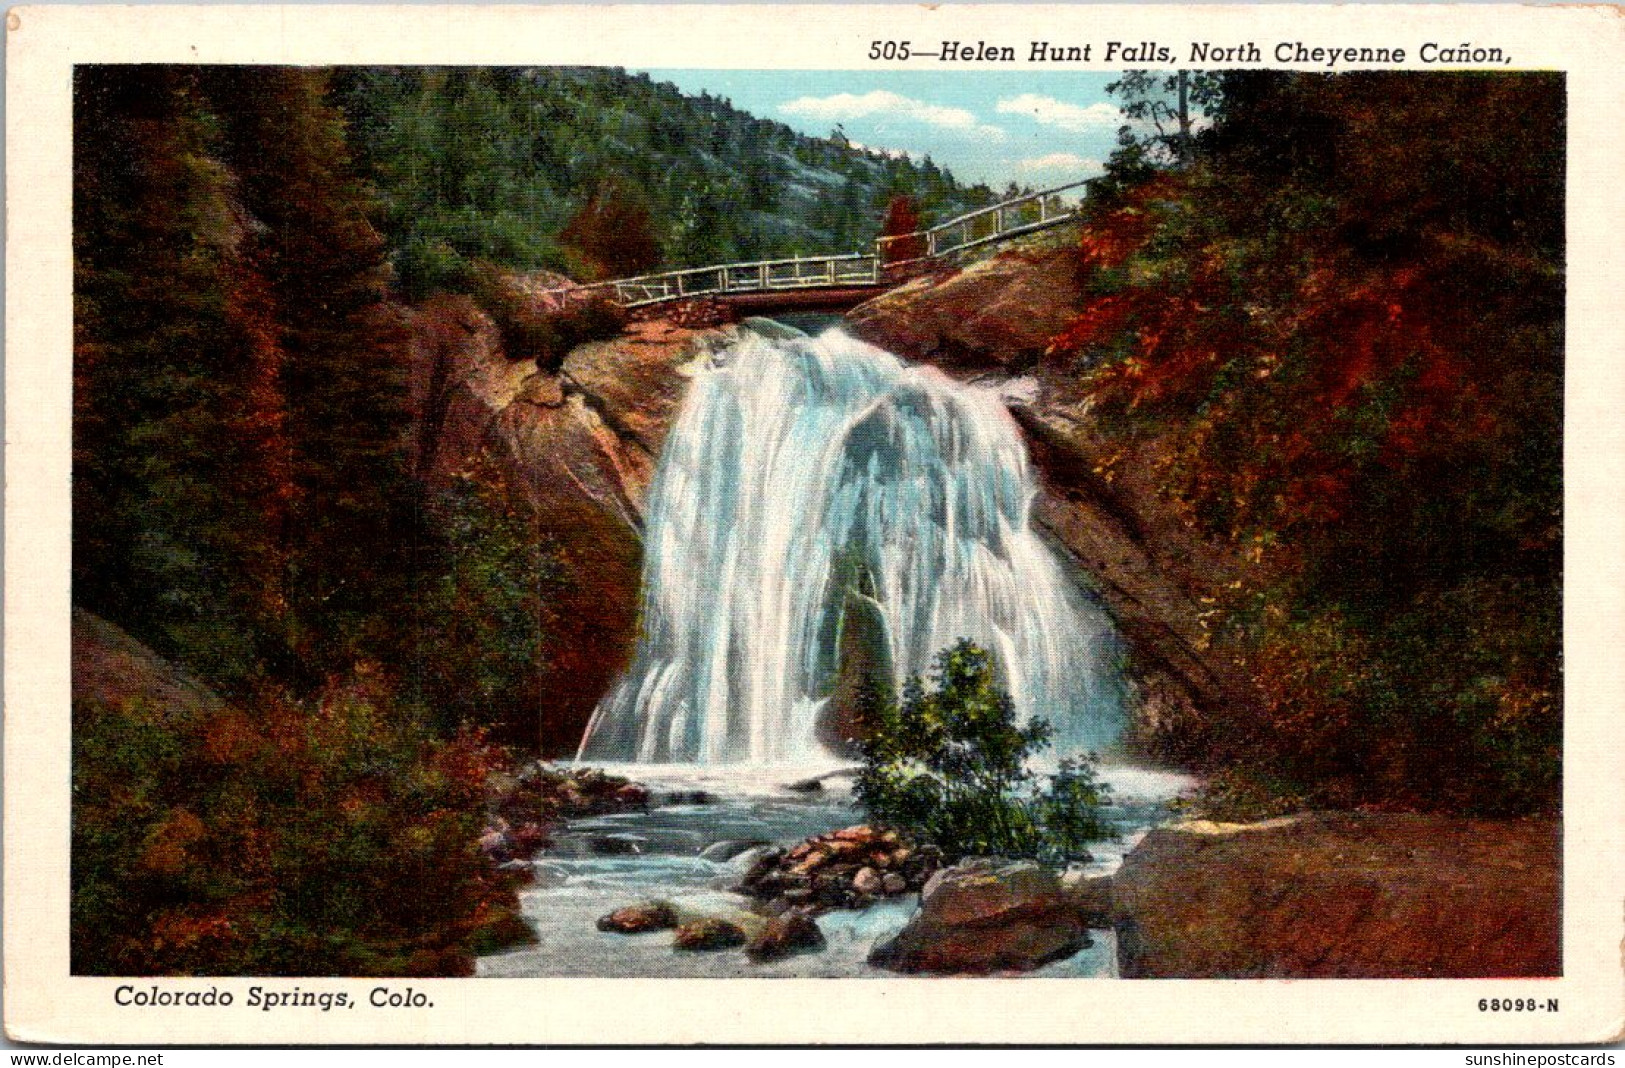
{"x": 997, "y": 222}
{"x": 754, "y": 277}
{"x": 1021, "y": 215}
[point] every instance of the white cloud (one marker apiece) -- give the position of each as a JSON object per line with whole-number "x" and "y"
{"x": 883, "y": 104}
{"x": 1061, "y": 161}
{"x": 1058, "y": 113}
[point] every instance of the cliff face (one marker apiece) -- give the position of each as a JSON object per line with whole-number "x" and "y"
{"x": 995, "y": 319}
{"x": 583, "y": 443}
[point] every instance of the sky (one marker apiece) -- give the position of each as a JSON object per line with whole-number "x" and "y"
{"x": 1037, "y": 129}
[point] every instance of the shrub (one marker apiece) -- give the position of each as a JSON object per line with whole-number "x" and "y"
{"x": 950, "y": 766}
{"x": 483, "y": 612}
{"x": 613, "y": 234}
{"x": 531, "y": 331}
{"x": 275, "y": 837}
{"x": 902, "y": 224}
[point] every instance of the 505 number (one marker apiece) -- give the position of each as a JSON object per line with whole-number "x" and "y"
{"x": 889, "y": 49}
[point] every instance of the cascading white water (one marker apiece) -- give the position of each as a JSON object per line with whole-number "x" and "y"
{"x": 795, "y": 463}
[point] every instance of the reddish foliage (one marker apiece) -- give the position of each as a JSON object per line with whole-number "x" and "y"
{"x": 900, "y": 237}
{"x": 614, "y": 233}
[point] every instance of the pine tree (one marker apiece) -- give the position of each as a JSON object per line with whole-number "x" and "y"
{"x": 350, "y": 527}
{"x": 177, "y": 429}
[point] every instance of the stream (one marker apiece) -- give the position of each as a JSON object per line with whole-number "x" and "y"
{"x": 599, "y": 864}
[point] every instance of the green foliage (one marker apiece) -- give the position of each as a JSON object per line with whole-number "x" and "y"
{"x": 348, "y": 525}
{"x": 485, "y": 609}
{"x": 325, "y": 837}
{"x": 169, "y": 442}
{"x": 950, "y": 766}
{"x": 510, "y": 166}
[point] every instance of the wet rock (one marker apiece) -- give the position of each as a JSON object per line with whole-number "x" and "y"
{"x": 528, "y": 837}
{"x": 986, "y": 916}
{"x": 729, "y": 848}
{"x": 750, "y": 858}
{"x": 524, "y": 806}
{"x": 609, "y": 845}
{"x": 632, "y": 796}
{"x": 868, "y": 881}
{"x": 793, "y": 931}
{"x": 805, "y": 786}
{"x": 1091, "y": 896}
{"x": 636, "y": 919}
{"x": 832, "y": 889}
{"x": 494, "y": 843}
{"x": 708, "y": 933}
{"x": 892, "y": 884}
{"x": 687, "y": 797}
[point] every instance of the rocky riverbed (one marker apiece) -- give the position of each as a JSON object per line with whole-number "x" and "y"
{"x": 691, "y": 874}
{"x": 684, "y": 866}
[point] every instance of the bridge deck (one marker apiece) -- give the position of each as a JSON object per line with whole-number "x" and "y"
{"x": 765, "y": 283}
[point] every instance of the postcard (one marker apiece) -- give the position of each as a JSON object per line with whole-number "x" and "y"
{"x": 942, "y": 524}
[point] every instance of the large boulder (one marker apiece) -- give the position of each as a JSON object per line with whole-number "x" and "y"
{"x": 793, "y": 931}
{"x": 113, "y": 669}
{"x": 1344, "y": 895}
{"x": 1091, "y": 896}
{"x": 848, "y": 868}
{"x": 999, "y": 312}
{"x": 636, "y": 919}
{"x": 984, "y": 916}
{"x": 708, "y": 933}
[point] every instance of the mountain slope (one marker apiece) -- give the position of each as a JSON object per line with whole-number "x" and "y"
{"x": 494, "y": 163}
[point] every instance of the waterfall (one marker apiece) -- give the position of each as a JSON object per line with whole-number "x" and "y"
{"x": 804, "y": 474}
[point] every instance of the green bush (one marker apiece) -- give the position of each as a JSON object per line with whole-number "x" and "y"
{"x": 950, "y": 766}
{"x": 334, "y": 836}
{"x": 483, "y": 612}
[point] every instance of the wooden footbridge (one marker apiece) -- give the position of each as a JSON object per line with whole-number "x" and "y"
{"x": 835, "y": 281}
